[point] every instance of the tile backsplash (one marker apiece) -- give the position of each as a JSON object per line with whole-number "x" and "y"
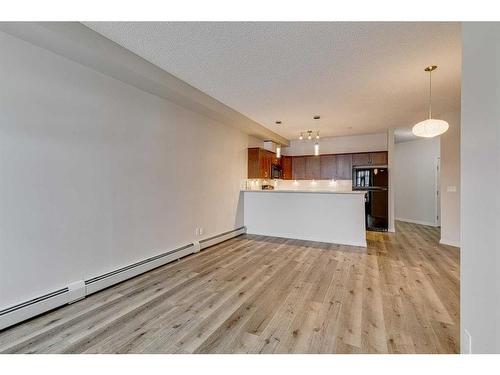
{"x": 256, "y": 184}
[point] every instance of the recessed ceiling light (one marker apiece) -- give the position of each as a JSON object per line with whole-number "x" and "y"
{"x": 278, "y": 122}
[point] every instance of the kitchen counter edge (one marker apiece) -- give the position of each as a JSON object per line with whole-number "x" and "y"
{"x": 305, "y": 191}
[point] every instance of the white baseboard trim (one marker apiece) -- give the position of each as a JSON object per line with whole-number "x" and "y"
{"x": 443, "y": 241}
{"x": 210, "y": 241}
{"x": 39, "y": 305}
{"x": 428, "y": 223}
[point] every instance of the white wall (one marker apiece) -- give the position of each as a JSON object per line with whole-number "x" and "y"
{"x": 415, "y": 184}
{"x": 255, "y": 142}
{"x": 96, "y": 174}
{"x": 338, "y": 145}
{"x": 480, "y": 177}
{"x": 450, "y": 180}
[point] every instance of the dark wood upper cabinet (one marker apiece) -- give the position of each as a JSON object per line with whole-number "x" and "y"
{"x": 265, "y": 165}
{"x": 370, "y": 158}
{"x": 313, "y": 170}
{"x": 271, "y": 159}
{"x": 343, "y": 170}
{"x": 286, "y": 167}
{"x": 378, "y": 158}
{"x": 328, "y": 167}
{"x": 361, "y": 159}
{"x": 274, "y": 160}
{"x": 253, "y": 163}
{"x": 260, "y": 162}
{"x": 308, "y": 167}
{"x": 299, "y": 168}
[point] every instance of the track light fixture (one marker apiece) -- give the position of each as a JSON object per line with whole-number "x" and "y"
{"x": 309, "y": 135}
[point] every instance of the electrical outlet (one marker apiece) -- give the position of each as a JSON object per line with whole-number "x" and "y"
{"x": 201, "y": 231}
{"x": 196, "y": 231}
{"x": 467, "y": 343}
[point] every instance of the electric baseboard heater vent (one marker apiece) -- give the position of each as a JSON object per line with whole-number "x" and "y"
{"x": 36, "y": 306}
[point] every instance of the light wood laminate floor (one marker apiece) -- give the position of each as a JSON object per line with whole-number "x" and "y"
{"x": 256, "y": 294}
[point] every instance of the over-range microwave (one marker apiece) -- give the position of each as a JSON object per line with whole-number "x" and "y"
{"x": 276, "y": 171}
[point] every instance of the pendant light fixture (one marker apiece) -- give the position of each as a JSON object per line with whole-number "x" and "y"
{"x": 316, "y": 142}
{"x": 316, "y": 148}
{"x": 431, "y": 127}
{"x": 278, "y": 151}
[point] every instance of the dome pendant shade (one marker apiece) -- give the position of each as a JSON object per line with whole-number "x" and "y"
{"x": 430, "y": 128}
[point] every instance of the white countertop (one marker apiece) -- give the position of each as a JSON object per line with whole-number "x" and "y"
{"x": 317, "y": 191}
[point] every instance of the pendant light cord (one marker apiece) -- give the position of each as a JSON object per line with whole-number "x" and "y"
{"x": 430, "y": 94}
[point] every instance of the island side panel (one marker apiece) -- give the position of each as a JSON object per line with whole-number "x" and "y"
{"x": 325, "y": 217}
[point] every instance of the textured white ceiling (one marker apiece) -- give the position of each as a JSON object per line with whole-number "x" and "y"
{"x": 360, "y": 77}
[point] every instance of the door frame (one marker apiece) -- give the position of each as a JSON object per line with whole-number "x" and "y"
{"x": 437, "y": 196}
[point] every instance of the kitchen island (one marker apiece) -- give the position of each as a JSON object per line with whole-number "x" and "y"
{"x": 314, "y": 215}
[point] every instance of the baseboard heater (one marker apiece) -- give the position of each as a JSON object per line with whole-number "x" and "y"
{"x": 82, "y": 288}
